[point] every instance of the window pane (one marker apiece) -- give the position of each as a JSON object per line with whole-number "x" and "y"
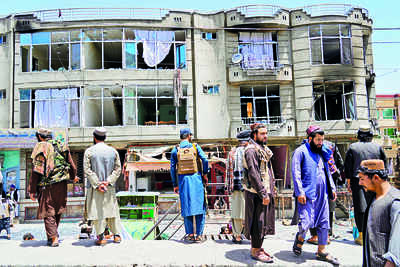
{"x": 146, "y": 111}
{"x": 40, "y": 58}
{"x": 348, "y": 87}
{"x": 93, "y": 55}
{"x": 130, "y": 91}
{"x": 165, "y": 91}
{"x": 166, "y": 111}
{"x": 180, "y": 56}
{"x": 180, "y": 36}
{"x": 246, "y": 91}
{"x": 259, "y": 91}
{"x": 246, "y": 105}
{"x": 350, "y": 109}
{"x": 25, "y": 94}
{"x": 25, "y": 38}
{"x": 130, "y": 55}
{"x": 182, "y": 119}
{"x": 60, "y": 37}
{"x": 146, "y": 91}
{"x": 75, "y": 36}
{"x": 330, "y": 30}
{"x": 345, "y": 29}
{"x": 112, "y": 112}
{"x": 346, "y": 43}
{"x": 75, "y": 114}
{"x": 130, "y": 111}
{"x": 314, "y": 31}
{"x": 24, "y": 114}
{"x": 316, "y": 56}
{"x": 274, "y": 109}
{"x": 75, "y": 56}
{"x": 92, "y": 35}
{"x": 184, "y": 91}
{"x": 334, "y": 101}
{"x": 112, "y": 92}
{"x": 113, "y": 55}
{"x": 60, "y": 57}
{"x": 41, "y": 38}
{"x": 93, "y": 112}
{"x": 331, "y": 51}
{"x": 261, "y": 109}
{"x": 273, "y": 90}
{"x": 112, "y": 34}
{"x": 129, "y": 34}
{"x": 92, "y": 91}
{"x": 25, "y": 58}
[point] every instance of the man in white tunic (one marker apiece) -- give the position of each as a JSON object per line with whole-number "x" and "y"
{"x": 102, "y": 168}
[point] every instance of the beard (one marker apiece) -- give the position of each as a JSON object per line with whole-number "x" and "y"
{"x": 315, "y": 148}
{"x": 261, "y": 142}
{"x": 94, "y": 141}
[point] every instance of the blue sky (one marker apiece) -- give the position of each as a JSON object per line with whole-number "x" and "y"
{"x": 385, "y": 13}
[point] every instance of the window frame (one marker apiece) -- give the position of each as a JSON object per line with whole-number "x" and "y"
{"x": 343, "y": 95}
{"x": 321, "y": 37}
{"x": 266, "y": 98}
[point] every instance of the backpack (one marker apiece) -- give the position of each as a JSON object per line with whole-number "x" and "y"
{"x": 187, "y": 160}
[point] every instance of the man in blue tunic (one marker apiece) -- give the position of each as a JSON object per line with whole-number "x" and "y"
{"x": 186, "y": 174}
{"x": 313, "y": 185}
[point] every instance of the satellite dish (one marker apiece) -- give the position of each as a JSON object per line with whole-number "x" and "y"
{"x": 237, "y": 58}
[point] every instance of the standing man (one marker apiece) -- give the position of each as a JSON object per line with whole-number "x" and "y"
{"x": 259, "y": 186}
{"x": 362, "y": 150}
{"x": 102, "y": 167}
{"x": 13, "y": 196}
{"x": 235, "y": 173}
{"x": 313, "y": 185}
{"x": 52, "y": 166}
{"x": 382, "y": 217}
{"x": 187, "y": 181}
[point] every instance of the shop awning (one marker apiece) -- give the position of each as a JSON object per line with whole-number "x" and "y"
{"x": 146, "y": 166}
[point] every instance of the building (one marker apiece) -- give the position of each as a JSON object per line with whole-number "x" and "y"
{"x": 388, "y": 108}
{"x": 146, "y": 73}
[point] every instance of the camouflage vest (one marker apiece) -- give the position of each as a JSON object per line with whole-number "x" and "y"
{"x": 265, "y": 173}
{"x": 54, "y": 162}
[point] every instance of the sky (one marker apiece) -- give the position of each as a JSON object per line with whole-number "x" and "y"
{"x": 385, "y": 14}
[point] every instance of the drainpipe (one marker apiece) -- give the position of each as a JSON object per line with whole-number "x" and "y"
{"x": 193, "y": 76}
{"x": 12, "y": 82}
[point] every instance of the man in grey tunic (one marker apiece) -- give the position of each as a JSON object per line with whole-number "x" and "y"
{"x": 102, "y": 168}
{"x": 381, "y": 246}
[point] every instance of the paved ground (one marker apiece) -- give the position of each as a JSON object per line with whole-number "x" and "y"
{"x": 74, "y": 252}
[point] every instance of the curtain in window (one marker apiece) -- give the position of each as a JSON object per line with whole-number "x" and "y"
{"x": 52, "y": 108}
{"x": 156, "y": 45}
{"x": 257, "y": 54}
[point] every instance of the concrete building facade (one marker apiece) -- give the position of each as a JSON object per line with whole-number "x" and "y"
{"x": 146, "y": 73}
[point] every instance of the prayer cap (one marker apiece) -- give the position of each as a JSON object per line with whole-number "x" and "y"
{"x": 186, "y": 131}
{"x": 314, "y": 129}
{"x": 100, "y": 131}
{"x": 44, "y": 132}
{"x": 243, "y": 135}
{"x": 373, "y": 166}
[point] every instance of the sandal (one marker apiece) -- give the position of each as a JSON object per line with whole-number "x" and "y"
{"x": 189, "y": 239}
{"x": 234, "y": 240}
{"x": 266, "y": 253}
{"x": 296, "y": 249}
{"x": 313, "y": 240}
{"x": 199, "y": 239}
{"x": 324, "y": 257}
{"x": 260, "y": 256}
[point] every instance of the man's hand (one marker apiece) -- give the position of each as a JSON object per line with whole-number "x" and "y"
{"x": 389, "y": 264}
{"x": 205, "y": 179}
{"x": 302, "y": 199}
{"x": 334, "y": 196}
{"x": 176, "y": 190}
{"x": 102, "y": 188}
{"x": 348, "y": 185}
{"x": 32, "y": 197}
{"x": 266, "y": 201}
{"x": 76, "y": 179}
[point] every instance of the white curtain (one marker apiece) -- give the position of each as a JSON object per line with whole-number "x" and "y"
{"x": 156, "y": 45}
{"x": 257, "y": 53}
{"x": 52, "y": 108}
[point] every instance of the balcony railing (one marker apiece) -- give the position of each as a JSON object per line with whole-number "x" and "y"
{"x": 259, "y": 10}
{"x": 331, "y": 9}
{"x": 77, "y": 14}
{"x": 266, "y": 120}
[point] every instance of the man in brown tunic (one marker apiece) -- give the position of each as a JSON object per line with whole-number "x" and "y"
{"x": 52, "y": 166}
{"x": 259, "y": 185}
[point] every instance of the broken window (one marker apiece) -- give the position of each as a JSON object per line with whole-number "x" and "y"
{"x": 259, "y": 50}
{"x": 26, "y": 58}
{"x": 330, "y": 44}
{"x": 50, "y": 108}
{"x": 211, "y": 89}
{"x": 260, "y": 104}
{"x": 209, "y": 35}
{"x": 130, "y": 55}
{"x": 60, "y": 57}
{"x": 334, "y": 101}
{"x": 3, "y": 39}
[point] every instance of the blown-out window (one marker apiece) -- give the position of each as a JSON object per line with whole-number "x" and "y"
{"x": 330, "y": 44}
{"x": 334, "y": 100}
{"x": 260, "y": 104}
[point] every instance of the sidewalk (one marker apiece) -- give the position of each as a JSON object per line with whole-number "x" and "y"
{"x": 74, "y": 252}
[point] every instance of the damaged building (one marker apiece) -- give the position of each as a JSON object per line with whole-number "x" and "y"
{"x": 146, "y": 73}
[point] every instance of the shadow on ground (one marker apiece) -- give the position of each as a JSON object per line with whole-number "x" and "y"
{"x": 33, "y": 243}
{"x": 288, "y": 256}
{"x": 240, "y": 255}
